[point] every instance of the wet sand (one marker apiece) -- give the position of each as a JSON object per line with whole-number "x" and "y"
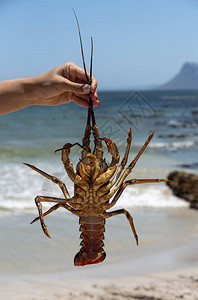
{"x": 163, "y": 267}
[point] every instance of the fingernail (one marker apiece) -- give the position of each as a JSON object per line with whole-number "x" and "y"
{"x": 98, "y": 102}
{"x": 94, "y": 88}
{"x": 86, "y": 88}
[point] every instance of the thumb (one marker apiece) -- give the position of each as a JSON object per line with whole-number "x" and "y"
{"x": 77, "y": 88}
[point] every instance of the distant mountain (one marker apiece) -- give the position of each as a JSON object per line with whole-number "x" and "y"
{"x": 187, "y": 79}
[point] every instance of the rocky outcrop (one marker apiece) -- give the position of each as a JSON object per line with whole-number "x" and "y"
{"x": 186, "y": 79}
{"x": 184, "y": 185}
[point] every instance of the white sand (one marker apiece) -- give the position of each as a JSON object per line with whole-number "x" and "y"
{"x": 180, "y": 284}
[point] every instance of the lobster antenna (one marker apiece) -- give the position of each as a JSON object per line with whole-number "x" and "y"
{"x": 90, "y": 109}
{"x": 91, "y": 60}
{"x": 81, "y": 45}
{"x": 90, "y": 94}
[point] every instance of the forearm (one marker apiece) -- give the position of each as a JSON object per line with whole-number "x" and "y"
{"x": 59, "y": 86}
{"x": 16, "y": 94}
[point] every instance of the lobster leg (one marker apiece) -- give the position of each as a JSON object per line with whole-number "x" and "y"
{"x": 53, "y": 179}
{"x": 112, "y": 148}
{"x": 106, "y": 176}
{"x": 133, "y": 163}
{"x": 122, "y": 188}
{"x": 128, "y": 216}
{"x": 53, "y": 208}
{"x": 124, "y": 160}
{"x": 120, "y": 168}
{"x": 49, "y": 211}
{"x": 128, "y": 170}
{"x": 70, "y": 170}
{"x": 40, "y": 199}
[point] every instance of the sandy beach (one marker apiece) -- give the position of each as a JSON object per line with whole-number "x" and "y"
{"x": 162, "y": 268}
{"x": 178, "y": 284}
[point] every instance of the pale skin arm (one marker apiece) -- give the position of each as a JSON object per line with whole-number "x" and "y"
{"x": 61, "y": 85}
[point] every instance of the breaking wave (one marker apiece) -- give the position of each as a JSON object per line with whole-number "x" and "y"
{"x": 20, "y": 185}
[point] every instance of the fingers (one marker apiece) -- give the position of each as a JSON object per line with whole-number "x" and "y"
{"x": 79, "y": 92}
{"x": 80, "y": 101}
{"x": 70, "y": 84}
{"x": 83, "y": 100}
{"x": 65, "y": 85}
{"x": 94, "y": 85}
{"x": 75, "y": 75}
{"x": 80, "y": 75}
{"x": 66, "y": 97}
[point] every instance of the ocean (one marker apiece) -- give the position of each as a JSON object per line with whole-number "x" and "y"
{"x": 33, "y": 134}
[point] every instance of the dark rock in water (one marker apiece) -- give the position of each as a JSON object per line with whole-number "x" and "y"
{"x": 178, "y": 124}
{"x": 177, "y": 136}
{"x": 190, "y": 166}
{"x": 170, "y": 136}
{"x": 184, "y": 185}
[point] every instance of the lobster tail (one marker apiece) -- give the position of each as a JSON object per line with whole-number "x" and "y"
{"x": 92, "y": 236}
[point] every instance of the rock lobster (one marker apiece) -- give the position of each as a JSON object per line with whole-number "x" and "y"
{"x": 95, "y": 183}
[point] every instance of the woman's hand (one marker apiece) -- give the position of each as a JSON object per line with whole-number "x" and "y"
{"x": 64, "y": 84}
{"x": 61, "y": 85}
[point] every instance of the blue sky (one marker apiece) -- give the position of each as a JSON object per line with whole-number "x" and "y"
{"x": 136, "y": 42}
